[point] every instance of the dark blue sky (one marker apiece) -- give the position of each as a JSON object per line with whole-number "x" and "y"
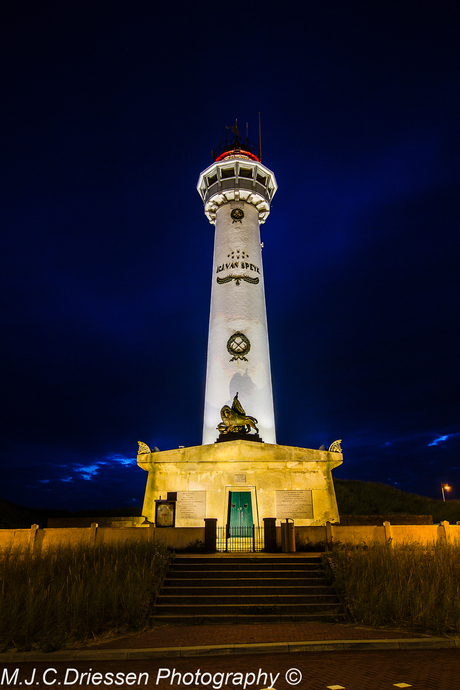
{"x": 110, "y": 111}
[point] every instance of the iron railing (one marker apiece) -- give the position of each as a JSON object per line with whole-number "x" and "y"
{"x": 240, "y": 538}
{"x": 237, "y": 145}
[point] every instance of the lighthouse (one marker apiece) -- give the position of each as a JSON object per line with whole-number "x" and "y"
{"x": 239, "y": 476}
{"x": 237, "y": 191}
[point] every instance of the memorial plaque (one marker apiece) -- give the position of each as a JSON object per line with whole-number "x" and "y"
{"x": 239, "y": 479}
{"x": 191, "y": 505}
{"x": 294, "y": 504}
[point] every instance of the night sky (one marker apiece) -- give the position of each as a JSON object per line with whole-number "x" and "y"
{"x": 110, "y": 112}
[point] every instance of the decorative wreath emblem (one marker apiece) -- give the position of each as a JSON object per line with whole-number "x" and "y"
{"x": 237, "y": 279}
{"x": 237, "y": 215}
{"x": 238, "y": 346}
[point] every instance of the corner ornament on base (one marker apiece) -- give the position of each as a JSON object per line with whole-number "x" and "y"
{"x": 143, "y": 448}
{"x": 235, "y": 419}
{"x": 335, "y": 447}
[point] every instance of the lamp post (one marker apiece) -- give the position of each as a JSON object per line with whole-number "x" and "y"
{"x": 444, "y": 487}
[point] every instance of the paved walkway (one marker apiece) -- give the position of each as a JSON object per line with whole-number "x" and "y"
{"x": 248, "y": 634}
{"x": 165, "y": 641}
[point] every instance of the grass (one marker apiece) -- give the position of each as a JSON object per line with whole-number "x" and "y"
{"x": 78, "y": 594}
{"x": 404, "y": 586}
{"x": 75, "y": 594}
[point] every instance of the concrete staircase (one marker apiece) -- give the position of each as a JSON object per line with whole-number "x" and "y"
{"x": 238, "y": 588}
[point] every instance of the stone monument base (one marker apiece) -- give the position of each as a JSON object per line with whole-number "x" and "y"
{"x": 238, "y": 436}
{"x": 258, "y": 479}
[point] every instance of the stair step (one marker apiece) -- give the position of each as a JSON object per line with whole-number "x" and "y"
{"x": 248, "y": 618}
{"x": 241, "y": 589}
{"x": 252, "y": 558}
{"x": 235, "y": 574}
{"x": 244, "y": 599}
{"x": 249, "y": 608}
{"x": 237, "y": 567}
{"x": 250, "y": 590}
{"x": 244, "y": 581}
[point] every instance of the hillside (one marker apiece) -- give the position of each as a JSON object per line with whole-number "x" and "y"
{"x": 369, "y": 498}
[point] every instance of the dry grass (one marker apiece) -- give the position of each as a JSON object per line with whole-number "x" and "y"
{"x": 406, "y": 586}
{"x": 74, "y": 594}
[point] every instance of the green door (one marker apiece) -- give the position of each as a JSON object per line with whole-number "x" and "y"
{"x": 240, "y": 514}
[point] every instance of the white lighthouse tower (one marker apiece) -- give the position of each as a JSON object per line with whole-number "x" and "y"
{"x": 239, "y": 476}
{"x": 237, "y": 191}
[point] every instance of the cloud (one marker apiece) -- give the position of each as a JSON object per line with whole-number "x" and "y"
{"x": 122, "y": 459}
{"x": 88, "y": 472}
{"x": 438, "y": 440}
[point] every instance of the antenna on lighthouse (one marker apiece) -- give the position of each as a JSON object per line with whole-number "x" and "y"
{"x": 260, "y": 140}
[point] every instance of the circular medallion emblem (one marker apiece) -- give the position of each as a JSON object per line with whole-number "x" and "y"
{"x": 238, "y": 346}
{"x": 237, "y": 214}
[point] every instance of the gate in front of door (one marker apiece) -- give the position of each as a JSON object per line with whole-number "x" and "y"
{"x": 240, "y": 533}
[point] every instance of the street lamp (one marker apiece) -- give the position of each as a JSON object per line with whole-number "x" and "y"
{"x": 444, "y": 487}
